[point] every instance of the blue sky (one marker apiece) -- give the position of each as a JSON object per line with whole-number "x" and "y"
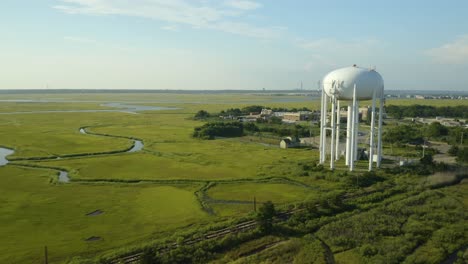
{"x": 230, "y": 44}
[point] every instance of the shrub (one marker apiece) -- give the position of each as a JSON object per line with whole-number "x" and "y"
{"x": 265, "y": 217}
{"x": 202, "y": 114}
{"x": 219, "y": 129}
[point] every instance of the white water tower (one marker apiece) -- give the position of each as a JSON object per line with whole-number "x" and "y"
{"x": 350, "y": 85}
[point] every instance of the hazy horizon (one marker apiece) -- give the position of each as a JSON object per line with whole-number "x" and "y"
{"x": 266, "y": 91}
{"x": 229, "y": 45}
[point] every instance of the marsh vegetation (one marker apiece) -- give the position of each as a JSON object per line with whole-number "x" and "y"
{"x": 178, "y": 187}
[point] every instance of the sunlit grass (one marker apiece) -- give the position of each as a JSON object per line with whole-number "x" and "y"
{"x": 34, "y": 214}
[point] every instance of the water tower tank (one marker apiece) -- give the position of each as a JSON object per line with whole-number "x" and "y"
{"x": 341, "y": 83}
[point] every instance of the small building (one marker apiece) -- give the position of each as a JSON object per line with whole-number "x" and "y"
{"x": 279, "y": 114}
{"x": 289, "y": 142}
{"x": 297, "y": 116}
{"x": 292, "y": 117}
{"x": 363, "y": 113}
{"x": 266, "y": 112}
{"x": 249, "y": 118}
{"x": 315, "y": 116}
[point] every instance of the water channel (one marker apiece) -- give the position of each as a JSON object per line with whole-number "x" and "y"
{"x": 63, "y": 175}
{"x": 4, "y": 152}
{"x": 137, "y": 144}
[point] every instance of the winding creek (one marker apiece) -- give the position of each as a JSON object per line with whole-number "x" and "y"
{"x": 62, "y": 174}
{"x": 4, "y": 152}
{"x": 137, "y": 144}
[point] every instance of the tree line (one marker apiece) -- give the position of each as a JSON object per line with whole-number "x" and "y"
{"x": 415, "y": 133}
{"x": 214, "y": 129}
{"x": 236, "y": 112}
{"x": 400, "y": 111}
{"x": 217, "y": 127}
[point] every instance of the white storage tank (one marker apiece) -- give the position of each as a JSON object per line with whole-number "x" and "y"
{"x": 341, "y": 83}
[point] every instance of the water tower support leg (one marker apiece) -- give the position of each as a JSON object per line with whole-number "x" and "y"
{"x": 353, "y": 135}
{"x": 333, "y": 130}
{"x": 321, "y": 128}
{"x": 337, "y": 150}
{"x": 348, "y": 134}
{"x": 323, "y": 120}
{"x": 379, "y": 137}
{"x": 371, "y": 141}
{"x": 356, "y": 131}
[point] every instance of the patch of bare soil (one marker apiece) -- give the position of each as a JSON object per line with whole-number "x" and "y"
{"x": 93, "y": 238}
{"x": 95, "y": 213}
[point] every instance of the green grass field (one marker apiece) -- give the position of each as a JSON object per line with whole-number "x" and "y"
{"x": 145, "y": 195}
{"x": 38, "y": 135}
{"x": 278, "y": 193}
{"x": 35, "y": 213}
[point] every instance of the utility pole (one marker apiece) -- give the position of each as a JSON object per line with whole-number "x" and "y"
{"x": 424, "y": 148}
{"x": 255, "y": 204}
{"x": 46, "y": 257}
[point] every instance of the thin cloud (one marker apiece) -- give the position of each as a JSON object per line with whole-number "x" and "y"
{"x": 243, "y": 5}
{"x": 197, "y": 14}
{"x": 326, "y": 54}
{"x": 80, "y": 40}
{"x": 173, "y": 28}
{"x": 90, "y": 41}
{"x": 319, "y": 63}
{"x": 246, "y": 30}
{"x": 455, "y": 52}
{"x": 330, "y": 44}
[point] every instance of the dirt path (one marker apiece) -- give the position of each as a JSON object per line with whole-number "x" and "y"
{"x": 329, "y": 257}
{"x": 443, "y": 156}
{"x": 262, "y": 248}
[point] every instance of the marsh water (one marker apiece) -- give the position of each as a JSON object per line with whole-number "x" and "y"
{"x": 137, "y": 144}
{"x": 120, "y": 107}
{"x": 137, "y": 108}
{"x": 4, "y": 152}
{"x": 63, "y": 176}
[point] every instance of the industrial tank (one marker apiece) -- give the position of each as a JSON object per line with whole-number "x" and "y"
{"x": 341, "y": 83}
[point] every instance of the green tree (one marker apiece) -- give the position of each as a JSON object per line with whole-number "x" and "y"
{"x": 252, "y": 109}
{"x": 275, "y": 120}
{"x": 462, "y": 155}
{"x": 265, "y": 217}
{"x": 453, "y": 151}
{"x": 219, "y": 129}
{"x": 435, "y": 130}
{"x": 427, "y": 160}
{"x": 402, "y": 134}
{"x": 251, "y": 127}
{"x": 457, "y": 135}
{"x": 148, "y": 256}
{"x": 202, "y": 114}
